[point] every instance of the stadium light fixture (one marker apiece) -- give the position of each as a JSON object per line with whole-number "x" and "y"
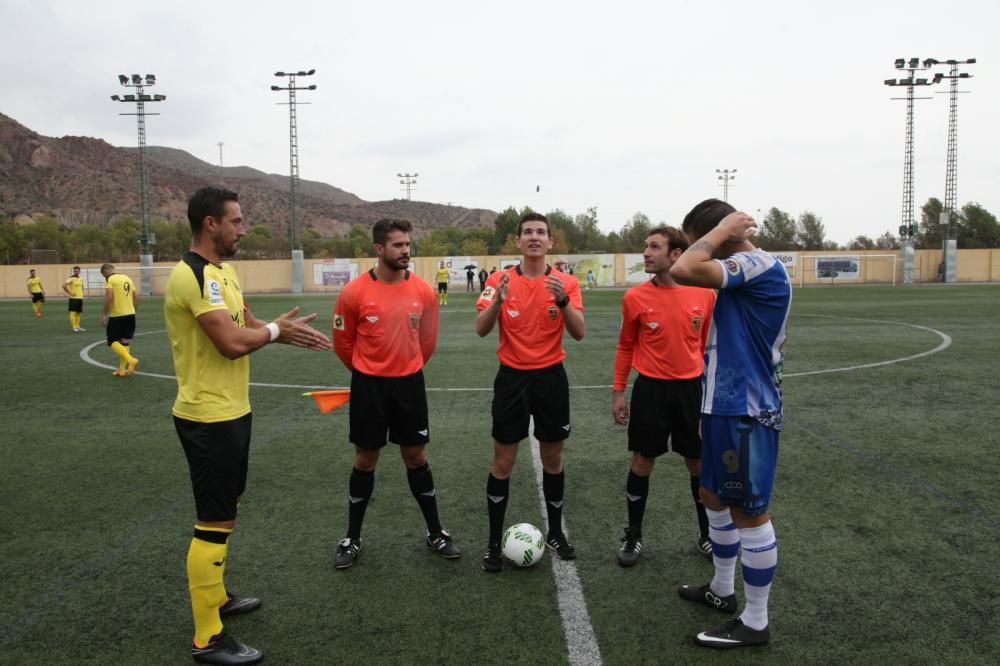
{"x": 293, "y": 146}
{"x": 140, "y": 97}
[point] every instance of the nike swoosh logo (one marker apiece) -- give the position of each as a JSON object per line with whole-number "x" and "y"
{"x": 422, "y": 432}
{"x": 355, "y": 500}
{"x": 633, "y": 498}
{"x": 430, "y": 493}
{"x": 566, "y": 427}
{"x": 496, "y": 499}
{"x": 220, "y": 562}
{"x": 714, "y": 639}
{"x": 557, "y": 505}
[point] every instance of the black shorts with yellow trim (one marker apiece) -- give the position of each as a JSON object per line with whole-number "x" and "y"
{"x": 121, "y": 328}
{"x": 218, "y": 456}
{"x": 664, "y": 415}
{"x": 393, "y": 408}
{"x": 76, "y": 305}
{"x": 520, "y": 395}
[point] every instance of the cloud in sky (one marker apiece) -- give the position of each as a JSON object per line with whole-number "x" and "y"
{"x": 627, "y": 106}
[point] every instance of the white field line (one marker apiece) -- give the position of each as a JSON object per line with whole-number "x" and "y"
{"x": 581, "y": 642}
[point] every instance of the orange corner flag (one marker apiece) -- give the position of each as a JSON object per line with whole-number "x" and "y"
{"x": 327, "y": 401}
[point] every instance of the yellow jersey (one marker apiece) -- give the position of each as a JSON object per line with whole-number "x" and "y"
{"x": 442, "y": 275}
{"x": 210, "y": 387}
{"x": 35, "y": 285}
{"x": 121, "y": 287}
{"x": 75, "y": 286}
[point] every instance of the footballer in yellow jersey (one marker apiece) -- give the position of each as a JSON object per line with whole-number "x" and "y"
{"x": 73, "y": 286}
{"x": 120, "y": 300}
{"x": 443, "y": 275}
{"x": 36, "y": 291}
{"x": 211, "y": 333}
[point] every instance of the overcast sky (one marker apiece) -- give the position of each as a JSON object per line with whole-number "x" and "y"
{"x": 625, "y": 106}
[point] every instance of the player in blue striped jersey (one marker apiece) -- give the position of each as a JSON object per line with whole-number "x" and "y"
{"x": 741, "y": 411}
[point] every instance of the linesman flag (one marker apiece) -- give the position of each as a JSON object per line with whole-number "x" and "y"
{"x": 327, "y": 401}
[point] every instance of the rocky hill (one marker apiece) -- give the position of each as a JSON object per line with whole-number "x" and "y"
{"x": 82, "y": 180}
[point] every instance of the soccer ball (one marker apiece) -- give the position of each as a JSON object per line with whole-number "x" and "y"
{"x": 523, "y": 545}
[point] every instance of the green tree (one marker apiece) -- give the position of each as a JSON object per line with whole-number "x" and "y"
{"x": 47, "y": 234}
{"x": 633, "y": 234}
{"x": 978, "y": 228}
{"x": 887, "y": 242}
{"x": 572, "y": 235}
{"x": 474, "y": 247}
{"x": 124, "y": 239}
{"x": 592, "y": 238}
{"x": 257, "y": 243}
{"x": 809, "y": 232}
{"x": 861, "y": 243}
{"x": 510, "y": 246}
{"x": 777, "y": 232}
{"x": 505, "y": 225}
{"x": 13, "y": 244}
{"x": 931, "y": 234}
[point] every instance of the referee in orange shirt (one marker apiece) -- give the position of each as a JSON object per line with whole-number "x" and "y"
{"x": 663, "y": 333}
{"x": 385, "y": 326}
{"x": 532, "y": 303}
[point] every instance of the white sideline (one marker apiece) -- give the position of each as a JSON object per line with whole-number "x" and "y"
{"x": 581, "y": 642}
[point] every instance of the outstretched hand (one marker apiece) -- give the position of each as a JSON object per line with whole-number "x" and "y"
{"x": 298, "y": 332}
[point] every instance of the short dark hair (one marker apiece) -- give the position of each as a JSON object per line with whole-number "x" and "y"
{"x": 705, "y": 216}
{"x": 76, "y": 268}
{"x": 531, "y": 216}
{"x": 382, "y": 228}
{"x": 676, "y": 240}
{"x": 208, "y": 202}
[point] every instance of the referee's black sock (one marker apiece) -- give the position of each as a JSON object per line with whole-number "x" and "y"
{"x": 422, "y": 487}
{"x": 699, "y": 507}
{"x": 360, "y": 491}
{"x": 552, "y": 487}
{"x": 636, "y": 492}
{"x": 497, "y": 491}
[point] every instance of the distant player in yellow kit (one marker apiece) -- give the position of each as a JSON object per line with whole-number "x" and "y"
{"x": 442, "y": 279}
{"x": 120, "y": 299}
{"x": 73, "y": 287}
{"x": 37, "y": 292}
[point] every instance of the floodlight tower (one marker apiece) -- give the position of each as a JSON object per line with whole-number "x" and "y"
{"x": 221, "y": 144}
{"x": 293, "y": 144}
{"x": 727, "y": 175}
{"x": 949, "y": 248}
{"x": 139, "y": 98}
{"x": 907, "y": 228}
{"x": 409, "y": 180}
{"x": 293, "y": 171}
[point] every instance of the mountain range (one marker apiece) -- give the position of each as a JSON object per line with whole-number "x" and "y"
{"x": 83, "y": 180}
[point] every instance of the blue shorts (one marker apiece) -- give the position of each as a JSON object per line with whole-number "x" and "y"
{"x": 739, "y": 456}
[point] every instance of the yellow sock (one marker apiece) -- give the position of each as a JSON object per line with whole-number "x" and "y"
{"x": 76, "y": 320}
{"x": 36, "y": 308}
{"x": 206, "y": 565}
{"x": 122, "y": 352}
{"x": 445, "y": 298}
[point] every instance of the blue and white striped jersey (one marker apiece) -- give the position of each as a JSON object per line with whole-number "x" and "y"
{"x": 746, "y": 339}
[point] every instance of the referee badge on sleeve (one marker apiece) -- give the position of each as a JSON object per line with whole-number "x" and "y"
{"x": 488, "y": 294}
{"x": 338, "y": 322}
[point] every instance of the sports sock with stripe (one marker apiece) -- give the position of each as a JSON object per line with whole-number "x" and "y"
{"x": 760, "y": 558}
{"x": 422, "y": 486}
{"x": 360, "y": 491}
{"x": 636, "y": 492}
{"x": 725, "y": 545}
{"x": 206, "y": 565}
{"x": 553, "y": 486}
{"x": 497, "y": 491}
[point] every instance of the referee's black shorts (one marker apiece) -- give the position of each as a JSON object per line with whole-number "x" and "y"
{"x": 76, "y": 305}
{"x": 388, "y": 407}
{"x": 664, "y": 414}
{"x": 218, "y": 456}
{"x": 519, "y": 395}
{"x": 121, "y": 328}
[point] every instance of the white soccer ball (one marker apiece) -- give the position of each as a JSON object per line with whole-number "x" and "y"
{"x": 523, "y": 545}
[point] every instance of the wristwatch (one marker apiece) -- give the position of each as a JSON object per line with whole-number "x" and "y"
{"x": 562, "y": 303}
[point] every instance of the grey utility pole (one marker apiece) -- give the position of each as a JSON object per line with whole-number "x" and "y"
{"x": 949, "y": 242}
{"x": 294, "y": 238}
{"x": 146, "y": 238}
{"x": 727, "y": 175}
{"x": 409, "y": 180}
